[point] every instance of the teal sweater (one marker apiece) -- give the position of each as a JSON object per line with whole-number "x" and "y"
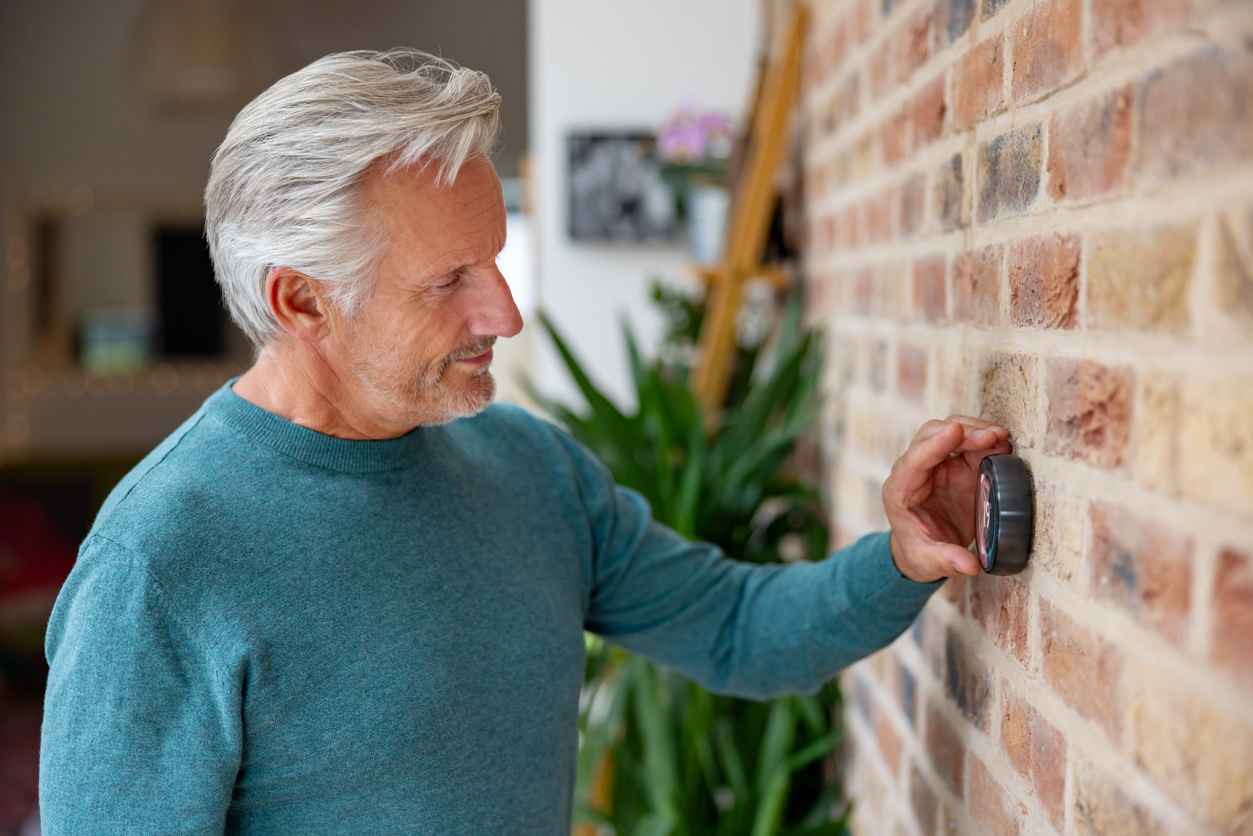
{"x": 271, "y": 630}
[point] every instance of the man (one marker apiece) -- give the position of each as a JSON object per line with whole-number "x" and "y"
{"x": 345, "y": 596}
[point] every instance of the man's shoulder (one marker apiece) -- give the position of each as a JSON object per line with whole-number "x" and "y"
{"x": 150, "y": 507}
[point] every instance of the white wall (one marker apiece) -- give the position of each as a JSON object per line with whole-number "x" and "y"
{"x": 601, "y": 64}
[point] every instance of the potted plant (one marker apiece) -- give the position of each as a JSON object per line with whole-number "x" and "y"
{"x": 674, "y": 758}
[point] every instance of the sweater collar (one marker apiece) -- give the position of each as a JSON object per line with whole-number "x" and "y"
{"x": 310, "y": 446}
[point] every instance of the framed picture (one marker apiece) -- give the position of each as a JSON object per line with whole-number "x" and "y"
{"x": 616, "y": 191}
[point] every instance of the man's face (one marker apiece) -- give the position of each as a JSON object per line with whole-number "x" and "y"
{"x": 419, "y": 350}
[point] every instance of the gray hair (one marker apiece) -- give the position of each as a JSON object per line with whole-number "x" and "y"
{"x": 284, "y": 185}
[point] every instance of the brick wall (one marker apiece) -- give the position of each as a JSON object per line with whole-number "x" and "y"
{"x": 1042, "y": 213}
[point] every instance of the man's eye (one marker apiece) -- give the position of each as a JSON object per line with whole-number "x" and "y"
{"x": 453, "y": 280}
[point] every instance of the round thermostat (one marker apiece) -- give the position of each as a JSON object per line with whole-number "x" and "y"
{"x": 1003, "y": 515}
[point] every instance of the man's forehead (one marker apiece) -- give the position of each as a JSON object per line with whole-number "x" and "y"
{"x": 461, "y": 223}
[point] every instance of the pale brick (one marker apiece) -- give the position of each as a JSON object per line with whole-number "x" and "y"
{"x": 1140, "y": 279}
{"x": 1144, "y": 567}
{"x": 1195, "y": 752}
{"x": 1218, "y": 440}
{"x": 953, "y": 371}
{"x": 1233, "y": 274}
{"x": 1058, "y": 536}
{"x": 1007, "y": 394}
{"x": 1103, "y": 808}
{"x": 1155, "y": 447}
{"x": 1089, "y": 411}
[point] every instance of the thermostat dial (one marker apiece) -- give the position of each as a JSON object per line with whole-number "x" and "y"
{"x": 1004, "y": 515}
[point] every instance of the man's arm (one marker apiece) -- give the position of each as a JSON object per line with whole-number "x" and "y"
{"x": 141, "y": 734}
{"x": 736, "y": 628}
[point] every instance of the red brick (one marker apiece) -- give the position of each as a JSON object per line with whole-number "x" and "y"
{"x": 1044, "y": 282}
{"x": 881, "y": 70}
{"x": 1009, "y": 172}
{"x": 1144, "y": 567}
{"x": 1082, "y": 667}
{"x": 1047, "y": 48}
{"x": 966, "y": 680}
{"x": 945, "y": 750}
{"x": 1119, "y": 23}
{"x": 1037, "y": 750}
{"x": 1182, "y": 132}
{"x": 952, "y": 210}
{"x": 895, "y": 137}
{"x": 878, "y": 212}
{"x": 913, "y": 202}
{"x": 1089, "y": 411}
{"x": 911, "y": 371}
{"x": 889, "y": 740}
{"x": 1000, "y": 605}
{"x": 861, "y": 295}
{"x": 929, "y": 294}
{"x": 990, "y": 805}
{"x": 978, "y": 84}
{"x": 1232, "y": 633}
{"x": 922, "y": 800}
{"x": 954, "y": 591}
{"x": 916, "y": 41}
{"x": 1090, "y": 146}
{"x": 977, "y": 286}
{"x": 928, "y": 111}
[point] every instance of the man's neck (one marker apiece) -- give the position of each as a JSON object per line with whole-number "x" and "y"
{"x": 299, "y": 385}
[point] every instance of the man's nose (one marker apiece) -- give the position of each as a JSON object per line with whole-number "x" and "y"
{"x": 495, "y": 313}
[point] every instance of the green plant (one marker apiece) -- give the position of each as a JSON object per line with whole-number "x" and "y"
{"x": 686, "y": 761}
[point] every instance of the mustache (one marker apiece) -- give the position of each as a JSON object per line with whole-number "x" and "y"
{"x": 473, "y": 350}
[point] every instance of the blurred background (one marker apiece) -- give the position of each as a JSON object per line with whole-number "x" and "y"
{"x": 111, "y": 326}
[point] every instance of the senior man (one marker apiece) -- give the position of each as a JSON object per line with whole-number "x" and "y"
{"x": 348, "y": 596}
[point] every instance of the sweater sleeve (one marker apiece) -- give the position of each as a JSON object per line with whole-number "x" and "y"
{"x": 736, "y": 628}
{"x": 140, "y": 732}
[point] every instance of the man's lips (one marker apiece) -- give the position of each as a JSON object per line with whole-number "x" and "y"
{"x": 479, "y": 359}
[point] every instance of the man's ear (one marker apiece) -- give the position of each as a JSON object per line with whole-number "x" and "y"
{"x": 298, "y": 304}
